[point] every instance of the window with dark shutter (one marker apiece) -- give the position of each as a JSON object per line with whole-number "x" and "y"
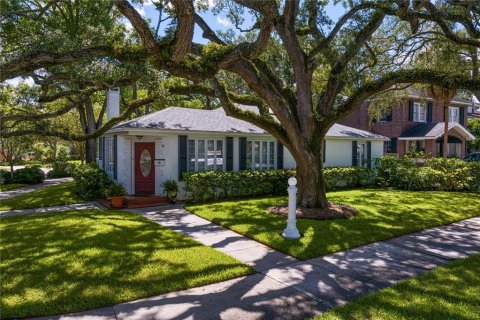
{"x": 429, "y": 112}
{"x": 115, "y": 158}
{"x": 242, "y": 153}
{"x": 229, "y": 156}
{"x": 369, "y": 154}
{"x": 410, "y": 110}
{"x": 279, "y": 155}
{"x": 354, "y": 153}
{"x": 182, "y": 156}
{"x": 393, "y": 145}
{"x": 462, "y": 116}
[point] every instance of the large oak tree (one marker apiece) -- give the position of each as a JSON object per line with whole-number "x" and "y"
{"x": 329, "y": 66}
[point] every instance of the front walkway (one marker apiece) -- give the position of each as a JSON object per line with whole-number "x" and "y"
{"x": 284, "y": 287}
{"x": 76, "y": 206}
{"x": 16, "y": 192}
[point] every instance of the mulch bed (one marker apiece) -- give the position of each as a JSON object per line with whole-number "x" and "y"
{"x": 334, "y": 211}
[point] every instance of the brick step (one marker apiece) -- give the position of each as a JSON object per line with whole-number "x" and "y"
{"x": 133, "y": 200}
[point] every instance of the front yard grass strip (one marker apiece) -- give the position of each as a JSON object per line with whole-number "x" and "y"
{"x": 57, "y": 195}
{"x": 448, "y": 292}
{"x": 11, "y": 186}
{"x": 80, "y": 260}
{"x": 384, "y": 214}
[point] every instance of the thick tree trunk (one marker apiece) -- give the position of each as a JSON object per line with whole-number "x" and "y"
{"x": 310, "y": 179}
{"x": 90, "y": 150}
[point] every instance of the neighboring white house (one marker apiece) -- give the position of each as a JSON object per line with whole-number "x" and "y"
{"x": 144, "y": 152}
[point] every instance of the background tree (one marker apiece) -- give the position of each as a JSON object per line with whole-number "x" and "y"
{"x": 332, "y": 67}
{"x": 474, "y": 127}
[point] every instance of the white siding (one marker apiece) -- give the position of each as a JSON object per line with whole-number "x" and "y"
{"x": 124, "y": 162}
{"x": 338, "y": 153}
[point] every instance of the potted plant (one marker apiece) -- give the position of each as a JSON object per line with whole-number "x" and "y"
{"x": 170, "y": 187}
{"x": 117, "y": 193}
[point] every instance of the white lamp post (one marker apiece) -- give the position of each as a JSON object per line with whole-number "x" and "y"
{"x": 291, "y": 232}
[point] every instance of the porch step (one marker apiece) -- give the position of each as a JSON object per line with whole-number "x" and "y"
{"x": 134, "y": 200}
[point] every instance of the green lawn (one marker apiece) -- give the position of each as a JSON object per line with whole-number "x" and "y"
{"x": 383, "y": 214}
{"x": 79, "y": 260}
{"x": 448, "y": 292}
{"x": 57, "y": 195}
{"x": 11, "y": 186}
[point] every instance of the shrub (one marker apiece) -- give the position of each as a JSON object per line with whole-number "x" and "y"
{"x": 207, "y": 186}
{"x": 348, "y": 177}
{"x": 61, "y": 169}
{"x": 29, "y": 175}
{"x": 91, "y": 182}
{"x": 5, "y": 177}
{"x": 436, "y": 174}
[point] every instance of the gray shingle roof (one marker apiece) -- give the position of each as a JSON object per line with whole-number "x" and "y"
{"x": 175, "y": 118}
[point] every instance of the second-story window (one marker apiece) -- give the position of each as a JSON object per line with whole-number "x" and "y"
{"x": 419, "y": 112}
{"x": 453, "y": 114}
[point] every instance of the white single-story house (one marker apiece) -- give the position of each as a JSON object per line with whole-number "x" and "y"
{"x": 144, "y": 152}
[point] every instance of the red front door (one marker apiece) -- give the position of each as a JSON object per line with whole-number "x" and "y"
{"x": 144, "y": 168}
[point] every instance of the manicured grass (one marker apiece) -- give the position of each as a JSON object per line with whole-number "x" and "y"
{"x": 448, "y": 292}
{"x": 57, "y": 195}
{"x": 79, "y": 260}
{"x": 383, "y": 214}
{"x": 11, "y": 186}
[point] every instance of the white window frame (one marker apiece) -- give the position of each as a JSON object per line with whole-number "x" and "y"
{"x": 419, "y": 112}
{"x": 454, "y": 114}
{"x": 412, "y": 145}
{"x": 269, "y": 163}
{"x": 108, "y": 156}
{"x": 216, "y": 165}
{"x": 362, "y": 154}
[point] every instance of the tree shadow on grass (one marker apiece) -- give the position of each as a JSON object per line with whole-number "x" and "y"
{"x": 70, "y": 261}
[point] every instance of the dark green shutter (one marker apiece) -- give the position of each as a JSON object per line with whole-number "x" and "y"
{"x": 429, "y": 112}
{"x": 182, "y": 156}
{"x": 115, "y": 158}
{"x": 393, "y": 145}
{"x": 229, "y": 155}
{"x": 462, "y": 116}
{"x": 279, "y": 155}
{"x": 410, "y": 110}
{"x": 242, "y": 153}
{"x": 101, "y": 152}
{"x": 354, "y": 153}
{"x": 324, "y": 150}
{"x": 369, "y": 154}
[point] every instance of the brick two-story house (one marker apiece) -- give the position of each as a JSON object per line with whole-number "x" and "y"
{"x": 417, "y": 124}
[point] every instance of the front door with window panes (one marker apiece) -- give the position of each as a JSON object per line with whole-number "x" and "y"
{"x": 205, "y": 154}
{"x": 260, "y": 155}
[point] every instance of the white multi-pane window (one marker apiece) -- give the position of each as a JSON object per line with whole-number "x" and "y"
{"x": 419, "y": 112}
{"x": 205, "y": 154}
{"x": 453, "y": 114}
{"x": 260, "y": 155}
{"x": 361, "y": 154}
{"x": 109, "y": 157}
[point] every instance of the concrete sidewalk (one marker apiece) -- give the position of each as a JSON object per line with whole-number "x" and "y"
{"x": 16, "y": 192}
{"x": 284, "y": 287}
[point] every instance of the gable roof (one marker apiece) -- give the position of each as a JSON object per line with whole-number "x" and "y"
{"x": 434, "y": 131}
{"x": 186, "y": 119}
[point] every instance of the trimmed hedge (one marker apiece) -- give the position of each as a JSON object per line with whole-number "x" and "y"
{"x": 91, "y": 182}
{"x": 206, "y": 186}
{"x": 436, "y": 174}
